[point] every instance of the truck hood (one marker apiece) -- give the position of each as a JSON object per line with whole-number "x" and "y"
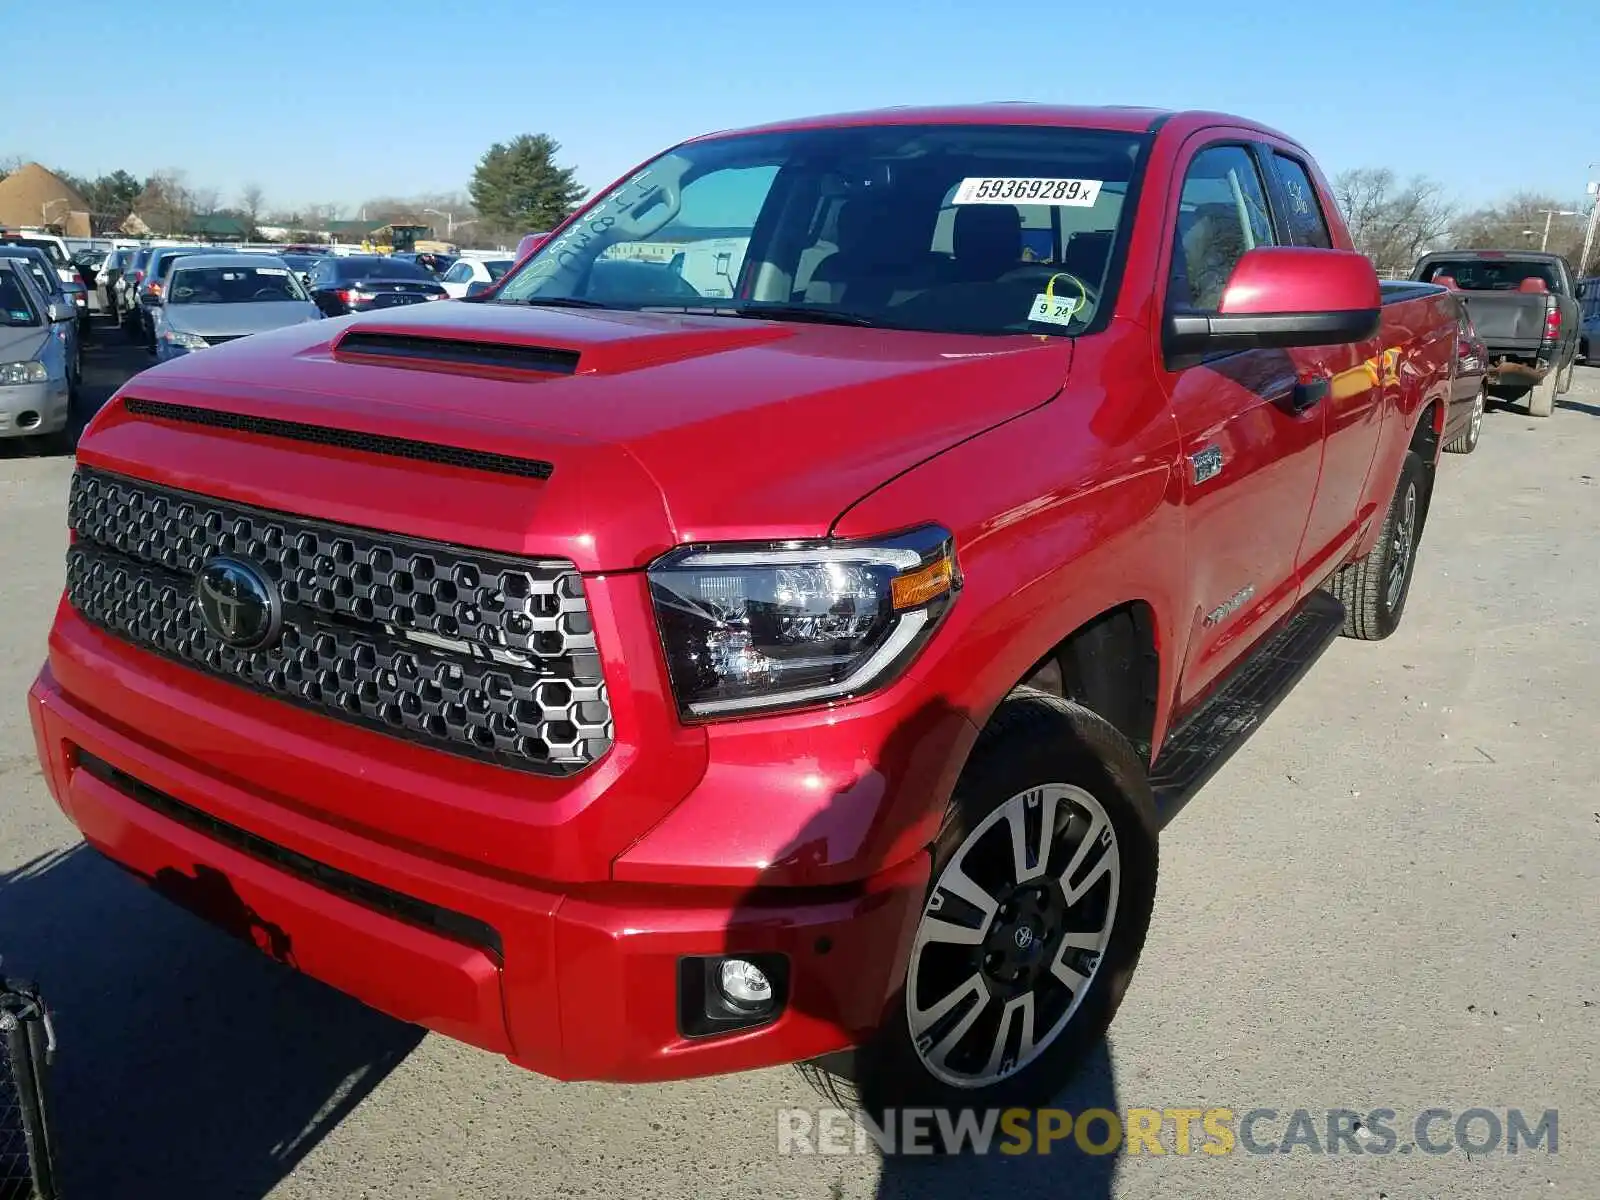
{"x": 653, "y": 429}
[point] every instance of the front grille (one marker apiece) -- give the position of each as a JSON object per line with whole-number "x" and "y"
{"x": 483, "y": 655}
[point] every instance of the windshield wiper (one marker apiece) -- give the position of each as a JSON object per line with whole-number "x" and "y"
{"x": 564, "y": 302}
{"x": 804, "y": 312}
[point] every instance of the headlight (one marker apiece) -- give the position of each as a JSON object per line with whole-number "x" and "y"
{"x": 752, "y": 627}
{"x": 23, "y": 372}
{"x": 178, "y": 337}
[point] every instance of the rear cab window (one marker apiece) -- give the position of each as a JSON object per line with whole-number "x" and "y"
{"x": 1491, "y": 274}
{"x": 1303, "y": 216}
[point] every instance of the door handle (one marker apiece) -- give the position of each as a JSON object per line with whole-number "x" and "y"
{"x": 1307, "y": 394}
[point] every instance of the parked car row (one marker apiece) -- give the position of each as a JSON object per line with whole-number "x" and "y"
{"x": 39, "y": 357}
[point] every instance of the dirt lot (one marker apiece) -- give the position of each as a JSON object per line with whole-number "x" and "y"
{"x": 1388, "y": 900}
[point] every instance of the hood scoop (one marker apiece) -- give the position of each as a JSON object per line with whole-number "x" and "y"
{"x": 448, "y": 353}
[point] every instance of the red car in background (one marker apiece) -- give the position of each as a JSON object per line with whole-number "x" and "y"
{"x": 529, "y": 243}
{"x": 642, "y": 681}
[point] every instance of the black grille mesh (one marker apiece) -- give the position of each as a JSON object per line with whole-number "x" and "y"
{"x": 484, "y": 655}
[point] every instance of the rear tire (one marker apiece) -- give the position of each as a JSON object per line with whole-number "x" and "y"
{"x": 1373, "y": 589}
{"x": 1466, "y": 441}
{"x": 1011, "y": 981}
{"x": 1564, "y": 383}
{"x": 1542, "y": 396}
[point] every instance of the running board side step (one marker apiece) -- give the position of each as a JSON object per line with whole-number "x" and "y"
{"x": 1208, "y": 737}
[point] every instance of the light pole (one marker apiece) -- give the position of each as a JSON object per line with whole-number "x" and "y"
{"x": 1594, "y": 220}
{"x": 1549, "y": 214}
{"x": 449, "y": 221}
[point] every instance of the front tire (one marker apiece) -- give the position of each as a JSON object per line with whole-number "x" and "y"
{"x": 1043, "y": 881}
{"x": 1466, "y": 441}
{"x": 1373, "y": 589}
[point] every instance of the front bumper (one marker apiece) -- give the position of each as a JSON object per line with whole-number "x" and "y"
{"x": 32, "y": 409}
{"x": 572, "y": 981}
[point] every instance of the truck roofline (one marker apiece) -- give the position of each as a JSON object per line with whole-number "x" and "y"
{"x": 1112, "y": 118}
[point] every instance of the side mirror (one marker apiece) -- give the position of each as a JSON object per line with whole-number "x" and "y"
{"x": 1281, "y": 296}
{"x": 60, "y": 310}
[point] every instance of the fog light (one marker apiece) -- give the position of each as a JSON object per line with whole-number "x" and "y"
{"x": 744, "y": 985}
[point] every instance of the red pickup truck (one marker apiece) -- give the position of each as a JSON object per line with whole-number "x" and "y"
{"x": 642, "y": 683}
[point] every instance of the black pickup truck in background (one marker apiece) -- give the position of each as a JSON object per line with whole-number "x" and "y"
{"x": 1526, "y": 309}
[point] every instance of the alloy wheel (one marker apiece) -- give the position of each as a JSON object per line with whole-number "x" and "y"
{"x": 1477, "y": 415}
{"x": 1012, "y": 935}
{"x": 1401, "y": 542}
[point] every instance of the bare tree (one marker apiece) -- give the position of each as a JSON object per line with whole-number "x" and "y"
{"x": 252, "y": 201}
{"x": 165, "y": 204}
{"x": 317, "y": 216}
{"x": 1392, "y": 222}
{"x": 1519, "y": 224}
{"x": 205, "y": 201}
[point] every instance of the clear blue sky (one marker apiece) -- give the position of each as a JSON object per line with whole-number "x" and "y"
{"x": 343, "y": 100}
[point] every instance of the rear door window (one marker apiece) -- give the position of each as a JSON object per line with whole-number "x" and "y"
{"x": 1303, "y": 210}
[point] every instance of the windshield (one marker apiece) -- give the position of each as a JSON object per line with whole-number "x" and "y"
{"x": 49, "y": 282}
{"x": 973, "y": 229}
{"x": 51, "y": 249}
{"x": 380, "y": 268}
{"x": 15, "y": 306}
{"x": 1491, "y": 274}
{"x": 233, "y": 285}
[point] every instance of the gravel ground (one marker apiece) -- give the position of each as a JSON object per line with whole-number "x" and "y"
{"x": 1387, "y": 900}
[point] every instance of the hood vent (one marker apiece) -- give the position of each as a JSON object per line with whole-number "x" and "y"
{"x": 422, "y": 350}
{"x": 349, "y": 439}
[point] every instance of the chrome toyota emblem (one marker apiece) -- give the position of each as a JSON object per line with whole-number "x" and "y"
{"x": 238, "y": 604}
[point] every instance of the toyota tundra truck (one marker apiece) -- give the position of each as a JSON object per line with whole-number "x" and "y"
{"x": 642, "y": 684}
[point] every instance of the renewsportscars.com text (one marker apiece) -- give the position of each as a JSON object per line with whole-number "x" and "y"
{"x": 1178, "y": 1131}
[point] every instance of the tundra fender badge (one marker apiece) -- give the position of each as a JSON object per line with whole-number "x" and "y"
{"x": 1206, "y": 464}
{"x": 1229, "y": 606}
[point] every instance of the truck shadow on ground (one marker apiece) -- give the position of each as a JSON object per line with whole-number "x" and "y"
{"x": 910, "y": 764}
{"x": 1592, "y": 410}
{"x": 1064, "y": 1173}
{"x": 189, "y": 1064}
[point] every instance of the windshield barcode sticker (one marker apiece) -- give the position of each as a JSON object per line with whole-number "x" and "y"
{"x": 1075, "y": 193}
{"x": 271, "y": 271}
